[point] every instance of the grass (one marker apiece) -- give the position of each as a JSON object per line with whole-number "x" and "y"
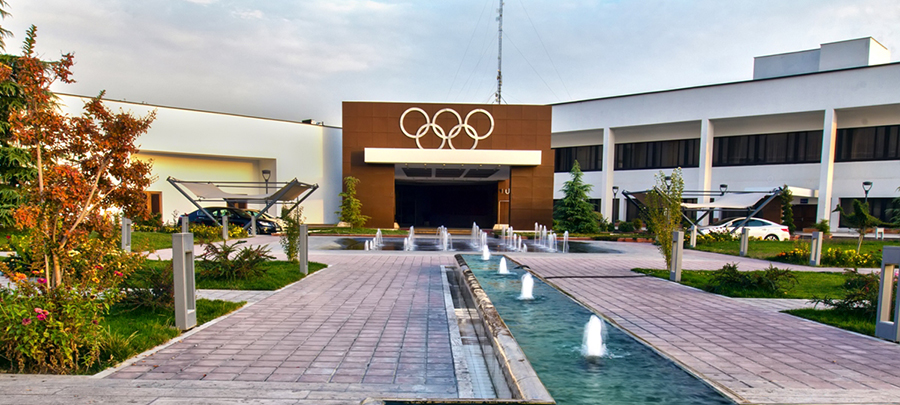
{"x": 856, "y": 321}
{"x": 150, "y": 241}
{"x": 769, "y": 250}
{"x": 809, "y": 284}
{"x": 277, "y": 274}
{"x": 134, "y": 330}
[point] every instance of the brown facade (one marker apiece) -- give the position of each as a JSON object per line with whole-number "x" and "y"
{"x": 516, "y": 127}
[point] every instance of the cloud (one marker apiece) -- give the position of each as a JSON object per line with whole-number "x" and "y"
{"x": 248, "y": 14}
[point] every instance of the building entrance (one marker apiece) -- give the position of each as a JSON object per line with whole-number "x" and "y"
{"x": 454, "y": 205}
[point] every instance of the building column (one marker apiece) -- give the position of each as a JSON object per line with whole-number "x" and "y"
{"x": 707, "y": 138}
{"x": 609, "y": 162}
{"x": 826, "y": 173}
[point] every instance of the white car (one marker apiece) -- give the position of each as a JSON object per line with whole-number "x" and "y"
{"x": 759, "y": 228}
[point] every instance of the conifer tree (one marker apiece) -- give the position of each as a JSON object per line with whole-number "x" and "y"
{"x": 351, "y": 207}
{"x": 575, "y": 213}
{"x": 787, "y": 209}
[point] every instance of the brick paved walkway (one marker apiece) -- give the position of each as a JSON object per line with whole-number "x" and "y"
{"x": 374, "y": 324}
{"x": 759, "y": 355}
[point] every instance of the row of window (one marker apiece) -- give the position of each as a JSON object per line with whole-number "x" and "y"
{"x": 852, "y": 145}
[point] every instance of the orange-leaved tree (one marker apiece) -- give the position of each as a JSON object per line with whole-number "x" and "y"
{"x": 85, "y": 165}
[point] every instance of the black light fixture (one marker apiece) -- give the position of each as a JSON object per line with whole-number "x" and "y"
{"x": 723, "y": 188}
{"x": 668, "y": 180}
{"x": 867, "y": 185}
{"x": 615, "y": 191}
{"x": 266, "y": 173}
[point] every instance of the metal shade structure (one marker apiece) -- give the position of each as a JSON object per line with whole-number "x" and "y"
{"x": 212, "y": 191}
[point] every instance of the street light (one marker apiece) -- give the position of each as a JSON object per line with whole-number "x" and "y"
{"x": 723, "y": 188}
{"x": 615, "y": 191}
{"x": 867, "y": 185}
{"x": 266, "y": 173}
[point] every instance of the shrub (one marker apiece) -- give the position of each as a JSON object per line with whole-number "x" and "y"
{"x": 713, "y": 237}
{"x": 57, "y": 330}
{"x": 290, "y": 235}
{"x": 150, "y": 287}
{"x": 638, "y": 224}
{"x": 351, "y": 207}
{"x": 833, "y": 257}
{"x": 823, "y": 226}
{"x": 626, "y": 227}
{"x": 217, "y": 261}
{"x": 861, "y": 293}
{"x": 773, "y": 280}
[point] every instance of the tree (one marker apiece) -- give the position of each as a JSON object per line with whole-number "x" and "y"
{"x": 351, "y": 207}
{"x": 4, "y": 33}
{"x": 664, "y": 210}
{"x": 787, "y": 209}
{"x": 894, "y": 211}
{"x": 575, "y": 213}
{"x": 860, "y": 221}
{"x": 290, "y": 235}
{"x": 84, "y": 164}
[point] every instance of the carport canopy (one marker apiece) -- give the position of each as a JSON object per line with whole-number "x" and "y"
{"x": 729, "y": 201}
{"x": 212, "y": 191}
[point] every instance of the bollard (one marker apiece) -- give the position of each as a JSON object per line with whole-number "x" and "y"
{"x": 225, "y": 228}
{"x": 693, "y": 236}
{"x": 745, "y": 241}
{"x": 677, "y": 253}
{"x": 185, "y": 225}
{"x": 253, "y": 225}
{"x": 303, "y": 254}
{"x": 183, "y": 275}
{"x": 884, "y": 328}
{"x": 879, "y": 233}
{"x": 127, "y": 227}
{"x": 815, "y": 249}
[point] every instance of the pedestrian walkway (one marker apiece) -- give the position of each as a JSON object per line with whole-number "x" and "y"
{"x": 755, "y": 354}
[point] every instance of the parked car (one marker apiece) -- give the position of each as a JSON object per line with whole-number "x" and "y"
{"x": 759, "y": 228}
{"x": 236, "y": 216}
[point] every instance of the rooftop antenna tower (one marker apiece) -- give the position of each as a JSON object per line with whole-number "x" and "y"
{"x": 499, "y": 51}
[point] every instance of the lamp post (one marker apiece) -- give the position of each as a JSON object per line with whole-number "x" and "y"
{"x": 723, "y": 188}
{"x": 615, "y": 190}
{"x": 266, "y": 174}
{"x": 867, "y": 185}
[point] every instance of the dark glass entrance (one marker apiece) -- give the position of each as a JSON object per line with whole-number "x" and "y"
{"x": 454, "y": 205}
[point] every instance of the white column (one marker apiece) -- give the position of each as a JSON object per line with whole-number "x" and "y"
{"x": 826, "y": 173}
{"x": 609, "y": 162}
{"x": 707, "y": 136}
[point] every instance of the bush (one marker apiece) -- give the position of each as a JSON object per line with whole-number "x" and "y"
{"x": 772, "y": 281}
{"x": 217, "y": 261}
{"x": 151, "y": 287}
{"x": 626, "y": 227}
{"x": 823, "y": 226}
{"x": 638, "y": 224}
{"x": 57, "y": 330}
{"x": 833, "y": 257}
{"x": 290, "y": 235}
{"x": 713, "y": 237}
{"x": 861, "y": 293}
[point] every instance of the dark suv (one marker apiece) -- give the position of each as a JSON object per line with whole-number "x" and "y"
{"x": 236, "y": 216}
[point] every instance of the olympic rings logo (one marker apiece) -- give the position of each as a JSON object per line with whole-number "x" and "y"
{"x": 446, "y": 137}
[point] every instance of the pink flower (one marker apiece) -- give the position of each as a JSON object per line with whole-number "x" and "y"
{"x": 118, "y": 273}
{"x": 42, "y": 317}
{"x": 95, "y": 322}
{"x": 26, "y": 321}
{"x": 39, "y": 310}
{"x": 42, "y": 280}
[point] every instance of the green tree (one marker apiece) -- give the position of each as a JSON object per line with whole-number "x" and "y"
{"x": 787, "y": 209}
{"x": 351, "y": 207}
{"x": 664, "y": 210}
{"x": 290, "y": 235}
{"x": 894, "y": 211}
{"x": 4, "y": 33}
{"x": 860, "y": 221}
{"x": 575, "y": 213}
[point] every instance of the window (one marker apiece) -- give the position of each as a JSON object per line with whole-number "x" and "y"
{"x": 241, "y": 205}
{"x": 590, "y": 158}
{"x": 658, "y": 155}
{"x": 154, "y": 201}
{"x": 871, "y": 143}
{"x": 768, "y": 149}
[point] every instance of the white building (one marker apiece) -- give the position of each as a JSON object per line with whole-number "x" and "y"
{"x": 206, "y": 146}
{"x": 825, "y": 120}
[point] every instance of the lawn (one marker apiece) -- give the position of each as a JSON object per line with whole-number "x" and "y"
{"x": 134, "y": 330}
{"x": 769, "y": 250}
{"x": 856, "y": 321}
{"x": 150, "y": 241}
{"x": 809, "y": 284}
{"x": 277, "y": 274}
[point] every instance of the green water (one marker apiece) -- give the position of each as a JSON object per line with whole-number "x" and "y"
{"x": 549, "y": 329}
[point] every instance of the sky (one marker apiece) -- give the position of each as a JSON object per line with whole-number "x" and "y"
{"x": 300, "y": 59}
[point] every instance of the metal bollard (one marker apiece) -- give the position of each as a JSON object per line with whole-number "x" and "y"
{"x": 183, "y": 274}
{"x": 253, "y": 225}
{"x": 745, "y": 241}
{"x": 677, "y": 253}
{"x": 815, "y": 249}
{"x": 879, "y": 233}
{"x": 185, "y": 225}
{"x": 884, "y": 328}
{"x": 303, "y": 254}
{"x": 127, "y": 227}
{"x": 694, "y": 236}
{"x": 225, "y": 228}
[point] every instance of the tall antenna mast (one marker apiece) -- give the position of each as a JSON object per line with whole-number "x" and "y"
{"x": 499, "y": 52}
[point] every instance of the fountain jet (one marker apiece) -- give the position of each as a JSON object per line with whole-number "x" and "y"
{"x": 503, "y": 268}
{"x": 592, "y": 345}
{"x": 485, "y": 253}
{"x": 527, "y": 287}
